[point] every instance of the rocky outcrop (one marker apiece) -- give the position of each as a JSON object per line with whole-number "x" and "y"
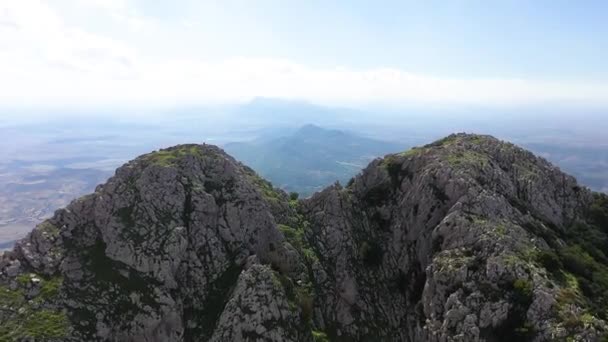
{"x": 434, "y": 244}
{"x": 465, "y": 239}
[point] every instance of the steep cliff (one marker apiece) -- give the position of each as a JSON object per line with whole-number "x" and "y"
{"x": 466, "y": 239}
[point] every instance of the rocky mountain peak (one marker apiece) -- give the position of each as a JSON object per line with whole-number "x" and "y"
{"x": 466, "y": 239}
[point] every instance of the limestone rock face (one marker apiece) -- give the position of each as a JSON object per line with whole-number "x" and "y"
{"x": 466, "y": 239}
{"x": 260, "y": 310}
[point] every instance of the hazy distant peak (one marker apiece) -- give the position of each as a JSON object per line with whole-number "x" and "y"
{"x": 272, "y": 101}
{"x": 314, "y": 130}
{"x": 311, "y": 157}
{"x": 310, "y": 127}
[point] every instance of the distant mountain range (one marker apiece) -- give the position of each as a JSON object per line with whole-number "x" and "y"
{"x": 51, "y": 158}
{"x": 311, "y": 158}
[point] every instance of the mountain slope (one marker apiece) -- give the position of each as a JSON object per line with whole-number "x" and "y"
{"x": 311, "y": 158}
{"x": 459, "y": 240}
{"x": 465, "y": 239}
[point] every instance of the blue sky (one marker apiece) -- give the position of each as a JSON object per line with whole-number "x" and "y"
{"x": 137, "y": 52}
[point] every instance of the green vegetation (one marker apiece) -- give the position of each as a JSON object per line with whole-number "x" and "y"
{"x": 525, "y": 170}
{"x": 393, "y": 166}
{"x": 522, "y": 289}
{"x": 549, "y": 260}
{"x": 169, "y": 157}
{"x": 412, "y": 152}
{"x": 50, "y": 288}
{"x": 48, "y": 228}
{"x": 476, "y": 139}
{"x": 500, "y": 229}
{"x": 516, "y": 327}
{"x": 467, "y": 158}
{"x": 598, "y": 211}
{"x": 319, "y": 336}
{"x": 300, "y": 297}
{"x": 567, "y": 296}
{"x": 397, "y": 170}
{"x": 265, "y": 187}
{"x": 444, "y": 141}
{"x": 581, "y": 266}
{"x": 299, "y": 293}
{"x": 591, "y": 276}
{"x": 293, "y": 202}
{"x": 454, "y": 138}
{"x": 37, "y": 324}
{"x": 24, "y": 279}
{"x": 11, "y": 299}
{"x": 296, "y": 237}
{"x": 525, "y": 331}
{"x": 578, "y": 261}
{"x": 310, "y": 159}
{"x": 454, "y": 259}
{"x": 46, "y": 324}
{"x": 293, "y": 196}
{"x": 293, "y": 235}
{"x": 305, "y": 302}
{"x": 32, "y": 318}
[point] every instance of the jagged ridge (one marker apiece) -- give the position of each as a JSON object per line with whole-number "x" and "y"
{"x": 466, "y": 239}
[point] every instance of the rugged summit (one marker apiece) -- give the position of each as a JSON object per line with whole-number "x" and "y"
{"x": 466, "y": 239}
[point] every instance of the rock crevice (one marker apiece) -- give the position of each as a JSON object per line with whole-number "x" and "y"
{"x": 465, "y": 239}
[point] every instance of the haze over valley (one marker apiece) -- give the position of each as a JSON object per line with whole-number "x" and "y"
{"x": 298, "y": 146}
{"x": 303, "y": 171}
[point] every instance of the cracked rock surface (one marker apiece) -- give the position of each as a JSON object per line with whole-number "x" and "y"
{"x": 465, "y": 239}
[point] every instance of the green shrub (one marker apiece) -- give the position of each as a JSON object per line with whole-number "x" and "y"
{"x": 319, "y": 336}
{"x": 585, "y": 264}
{"x": 24, "y": 279}
{"x": 393, "y": 166}
{"x": 550, "y": 261}
{"x": 598, "y": 211}
{"x": 566, "y": 296}
{"x": 522, "y": 291}
{"x": 578, "y": 261}
{"x": 572, "y": 322}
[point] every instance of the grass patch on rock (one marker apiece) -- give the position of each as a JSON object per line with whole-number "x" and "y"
{"x": 32, "y": 318}
{"x": 169, "y": 157}
{"x": 467, "y": 158}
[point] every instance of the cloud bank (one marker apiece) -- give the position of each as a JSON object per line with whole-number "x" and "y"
{"x": 46, "y": 61}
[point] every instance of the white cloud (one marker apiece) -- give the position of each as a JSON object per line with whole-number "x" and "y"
{"x": 118, "y": 10}
{"x": 38, "y": 44}
{"x": 111, "y": 5}
{"x": 45, "y": 61}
